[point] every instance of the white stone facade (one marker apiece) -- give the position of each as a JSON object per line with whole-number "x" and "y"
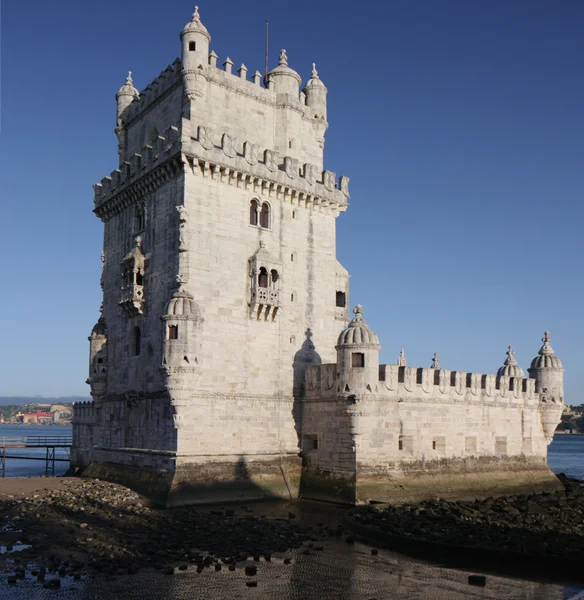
{"x": 221, "y": 286}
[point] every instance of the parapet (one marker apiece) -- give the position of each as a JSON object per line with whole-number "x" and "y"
{"x": 432, "y": 384}
{"x": 220, "y": 152}
{"x": 168, "y": 80}
{"x": 150, "y": 157}
{"x": 84, "y": 413}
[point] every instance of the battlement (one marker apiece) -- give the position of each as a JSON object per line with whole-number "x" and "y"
{"x": 168, "y": 80}
{"x": 84, "y": 413}
{"x": 139, "y": 165}
{"x": 432, "y": 384}
{"x": 225, "y": 151}
{"x": 237, "y": 163}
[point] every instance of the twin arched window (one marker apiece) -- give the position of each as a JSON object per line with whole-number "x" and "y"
{"x": 266, "y": 279}
{"x": 259, "y": 214}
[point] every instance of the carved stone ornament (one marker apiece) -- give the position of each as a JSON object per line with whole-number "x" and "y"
{"x": 291, "y": 167}
{"x": 344, "y": 184}
{"x": 228, "y": 144}
{"x": 182, "y": 278}
{"x": 182, "y": 238}
{"x": 311, "y": 379}
{"x": 329, "y": 378}
{"x": 205, "y": 136}
{"x": 183, "y": 213}
{"x": 250, "y": 152}
{"x": 329, "y": 180}
{"x": 310, "y": 173}
{"x": 271, "y": 160}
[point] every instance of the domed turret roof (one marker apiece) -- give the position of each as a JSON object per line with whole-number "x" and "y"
{"x": 128, "y": 88}
{"x": 182, "y": 304}
{"x": 358, "y": 331}
{"x": 546, "y": 358}
{"x": 284, "y": 69}
{"x": 195, "y": 25}
{"x": 99, "y": 328}
{"x": 510, "y": 367}
{"x": 314, "y": 81}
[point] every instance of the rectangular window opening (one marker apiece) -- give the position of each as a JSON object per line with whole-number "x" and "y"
{"x": 358, "y": 359}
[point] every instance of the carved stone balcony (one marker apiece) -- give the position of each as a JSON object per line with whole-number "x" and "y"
{"x": 265, "y": 303}
{"x": 133, "y": 299}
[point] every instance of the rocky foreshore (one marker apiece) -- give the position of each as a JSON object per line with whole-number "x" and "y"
{"x": 547, "y": 524}
{"x": 90, "y": 526}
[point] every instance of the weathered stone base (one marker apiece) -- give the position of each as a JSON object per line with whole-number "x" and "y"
{"x": 318, "y": 484}
{"x": 455, "y": 486}
{"x": 208, "y": 479}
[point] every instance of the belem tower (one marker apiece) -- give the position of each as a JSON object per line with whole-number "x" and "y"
{"x": 222, "y": 366}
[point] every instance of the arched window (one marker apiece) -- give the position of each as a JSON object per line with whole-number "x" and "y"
{"x": 265, "y": 216}
{"x": 274, "y": 278}
{"x": 253, "y": 212}
{"x": 139, "y": 278}
{"x": 263, "y": 278}
{"x": 137, "y": 341}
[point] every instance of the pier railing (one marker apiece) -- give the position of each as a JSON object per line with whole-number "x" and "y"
{"x": 49, "y": 442}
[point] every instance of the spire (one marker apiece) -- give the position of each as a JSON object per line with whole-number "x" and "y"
{"x": 314, "y": 73}
{"x": 546, "y": 349}
{"x": 196, "y": 16}
{"x": 283, "y": 60}
{"x": 435, "y": 364}
{"x": 401, "y": 361}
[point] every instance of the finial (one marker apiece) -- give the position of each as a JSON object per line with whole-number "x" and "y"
{"x": 546, "y": 349}
{"x": 401, "y": 361}
{"x": 283, "y": 57}
{"x": 358, "y": 310}
{"x": 196, "y": 16}
{"x": 511, "y": 354}
{"x": 314, "y": 74}
{"x": 129, "y": 80}
{"x": 435, "y": 364}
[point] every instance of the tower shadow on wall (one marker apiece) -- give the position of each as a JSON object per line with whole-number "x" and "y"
{"x": 306, "y": 356}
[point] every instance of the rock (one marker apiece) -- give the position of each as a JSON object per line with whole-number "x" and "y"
{"x": 478, "y": 580}
{"x": 82, "y": 525}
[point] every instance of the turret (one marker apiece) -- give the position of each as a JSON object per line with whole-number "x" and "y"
{"x": 510, "y": 367}
{"x": 97, "y": 379}
{"x": 548, "y": 372}
{"x": 181, "y": 342}
{"x": 316, "y": 92}
{"x": 283, "y": 79}
{"x": 358, "y": 357}
{"x": 125, "y": 97}
{"x": 195, "y": 54}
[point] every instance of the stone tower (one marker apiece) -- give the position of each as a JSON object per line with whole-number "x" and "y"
{"x": 219, "y": 257}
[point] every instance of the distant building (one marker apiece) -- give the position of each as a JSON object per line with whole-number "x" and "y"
{"x": 221, "y": 367}
{"x": 37, "y": 417}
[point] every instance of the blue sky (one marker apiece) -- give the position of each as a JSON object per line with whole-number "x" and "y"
{"x": 459, "y": 123}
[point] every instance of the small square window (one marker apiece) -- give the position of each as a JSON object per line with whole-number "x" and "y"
{"x": 358, "y": 359}
{"x": 192, "y": 46}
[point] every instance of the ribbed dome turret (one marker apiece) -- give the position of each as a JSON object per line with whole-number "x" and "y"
{"x": 283, "y": 78}
{"x": 546, "y": 358}
{"x": 358, "y": 332}
{"x": 128, "y": 88}
{"x": 99, "y": 328}
{"x": 314, "y": 81}
{"x": 510, "y": 367}
{"x": 195, "y": 25}
{"x": 182, "y": 304}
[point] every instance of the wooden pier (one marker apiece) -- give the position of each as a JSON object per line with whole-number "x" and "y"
{"x": 49, "y": 442}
